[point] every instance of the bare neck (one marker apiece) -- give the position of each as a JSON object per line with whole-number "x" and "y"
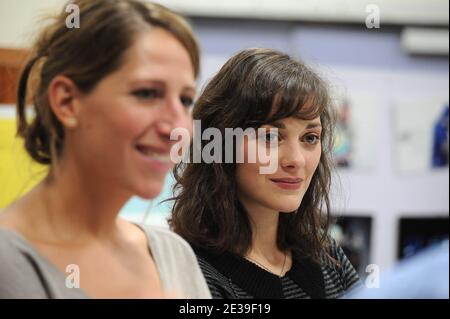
{"x": 71, "y": 206}
{"x": 264, "y": 223}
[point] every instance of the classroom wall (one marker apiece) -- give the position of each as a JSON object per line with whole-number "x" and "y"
{"x": 369, "y": 62}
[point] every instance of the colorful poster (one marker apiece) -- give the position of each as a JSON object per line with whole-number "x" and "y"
{"x": 421, "y": 133}
{"x": 355, "y": 136}
{"x": 352, "y": 233}
{"x": 18, "y": 172}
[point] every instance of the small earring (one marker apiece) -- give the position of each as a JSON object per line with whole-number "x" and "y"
{"x": 71, "y": 122}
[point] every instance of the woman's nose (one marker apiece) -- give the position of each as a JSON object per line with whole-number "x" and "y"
{"x": 174, "y": 115}
{"x": 164, "y": 128}
{"x": 293, "y": 157}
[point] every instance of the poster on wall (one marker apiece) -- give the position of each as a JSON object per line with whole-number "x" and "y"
{"x": 355, "y": 144}
{"x": 418, "y": 233}
{"x": 18, "y": 172}
{"x": 356, "y": 96}
{"x": 342, "y": 148}
{"x": 352, "y": 234}
{"x": 421, "y": 134}
{"x": 439, "y": 157}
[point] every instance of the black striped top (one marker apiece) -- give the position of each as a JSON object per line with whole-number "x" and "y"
{"x": 231, "y": 276}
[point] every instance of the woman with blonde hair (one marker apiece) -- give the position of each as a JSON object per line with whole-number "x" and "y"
{"x": 108, "y": 95}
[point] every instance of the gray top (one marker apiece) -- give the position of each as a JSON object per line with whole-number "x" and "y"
{"x": 25, "y": 273}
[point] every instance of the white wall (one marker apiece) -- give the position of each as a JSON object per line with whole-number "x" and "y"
{"x": 19, "y": 19}
{"x": 426, "y": 12}
{"x": 386, "y": 193}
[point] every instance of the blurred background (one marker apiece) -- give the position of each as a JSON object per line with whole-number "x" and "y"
{"x": 387, "y": 66}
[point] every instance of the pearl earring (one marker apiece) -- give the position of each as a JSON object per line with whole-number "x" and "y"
{"x": 71, "y": 122}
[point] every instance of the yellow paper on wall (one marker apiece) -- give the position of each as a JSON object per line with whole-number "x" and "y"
{"x": 18, "y": 172}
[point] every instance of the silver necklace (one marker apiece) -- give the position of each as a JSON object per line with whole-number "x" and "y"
{"x": 265, "y": 268}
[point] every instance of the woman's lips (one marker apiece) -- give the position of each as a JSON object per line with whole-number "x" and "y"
{"x": 288, "y": 182}
{"x": 154, "y": 157}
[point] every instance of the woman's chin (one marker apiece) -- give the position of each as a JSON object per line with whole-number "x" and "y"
{"x": 288, "y": 207}
{"x": 288, "y": 210}
{"x": 150, "y": 192}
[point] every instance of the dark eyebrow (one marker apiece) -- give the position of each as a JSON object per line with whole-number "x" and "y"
{"x": 313, "y": 125}
{"x": 189, "y": 88}
{"x": 308, "y": 127}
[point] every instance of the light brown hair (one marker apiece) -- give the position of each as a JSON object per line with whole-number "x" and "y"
{"x": 86, "y": 55}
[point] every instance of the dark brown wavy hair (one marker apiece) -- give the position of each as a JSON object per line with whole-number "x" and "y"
{"x": 86, "y": 55}
{"x": 255, "y": 87}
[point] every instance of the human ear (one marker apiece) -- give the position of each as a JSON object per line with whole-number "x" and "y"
{"x": 62, "y": 93}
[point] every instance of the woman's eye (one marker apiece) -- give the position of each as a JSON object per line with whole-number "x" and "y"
{"x": 312, "y": 139}
{"x": 270, "y": 138}
{"x": 187, "y": 101}
{"x": 147, "y": 94}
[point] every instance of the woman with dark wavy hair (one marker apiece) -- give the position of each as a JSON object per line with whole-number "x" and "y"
{"x": 264, "y": 235}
